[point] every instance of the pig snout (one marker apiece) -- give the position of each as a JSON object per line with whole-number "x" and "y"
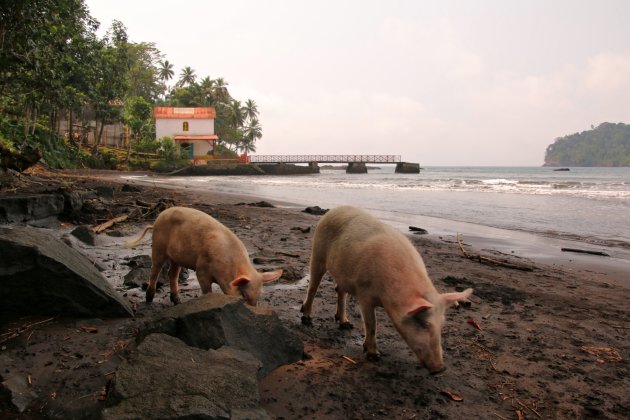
{"x": 436, "y": 370}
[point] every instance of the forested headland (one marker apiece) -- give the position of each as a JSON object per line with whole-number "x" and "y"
{"x": 605, "y": 145}
{"x": 54, "y": 66}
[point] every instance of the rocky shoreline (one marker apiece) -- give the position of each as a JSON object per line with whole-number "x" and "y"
{"x": 545, "y": 343}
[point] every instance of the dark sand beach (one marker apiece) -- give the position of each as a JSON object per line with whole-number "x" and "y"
{"x": 548, "y": 343}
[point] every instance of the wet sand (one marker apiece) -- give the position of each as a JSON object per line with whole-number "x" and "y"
{"x": 547, "y": 343}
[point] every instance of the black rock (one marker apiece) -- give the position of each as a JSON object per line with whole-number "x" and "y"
{"x": 316, "y": 210}
{"x": 215, "y": 320}
{"x": 39, "y": 274}
{"x": 167, "y": 379}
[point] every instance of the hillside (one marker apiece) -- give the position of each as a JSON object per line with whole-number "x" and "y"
{"x": 606, "y": 145}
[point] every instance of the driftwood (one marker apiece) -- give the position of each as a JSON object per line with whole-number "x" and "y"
{"x": 585, "y": 251}
{"x": 492, "y": 261}
{"x": 418, "y": 230}
{"x": 15, "y": 332}
{"x": 103, "y": 226}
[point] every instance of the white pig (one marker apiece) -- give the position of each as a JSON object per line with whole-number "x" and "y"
{"x": 379, "y": 265}
{"x": 192, "y": 239}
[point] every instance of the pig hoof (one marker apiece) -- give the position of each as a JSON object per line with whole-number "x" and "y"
{"x": 373, "y": 357}
{"x": 175, "y": 298}
{"x": 345, "y": 326}
{"x": 150, "y": 295}
{"x": 307, "y": 320}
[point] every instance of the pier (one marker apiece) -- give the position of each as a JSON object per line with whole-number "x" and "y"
{"x": 356, "y": 163}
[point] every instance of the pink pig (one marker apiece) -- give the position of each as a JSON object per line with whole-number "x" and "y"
{"x": 379, "y": 265}
{"x": 191, "y": 238}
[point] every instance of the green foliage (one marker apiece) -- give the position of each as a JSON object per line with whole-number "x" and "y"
{"x": 164, "y": 166}
{"x": 54, "y": 66}
{"x": 606, "y": 145}
{"x": 147, "y": 145}
{"x": 137, "y": 115}
{"x": 168, "y": 150}
{"x": 103, "y": 160}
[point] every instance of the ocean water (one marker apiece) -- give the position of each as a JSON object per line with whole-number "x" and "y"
{"x": 588, "y": 206}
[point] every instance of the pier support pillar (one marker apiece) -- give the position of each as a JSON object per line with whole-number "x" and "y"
{"x": 356, "y": 168}
{"x": 407, "y": 168}
{"x": 314, "y": 166}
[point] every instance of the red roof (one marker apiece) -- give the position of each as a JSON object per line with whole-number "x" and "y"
{"x": 184, "y": 113}
{"x": 210, "y": 137}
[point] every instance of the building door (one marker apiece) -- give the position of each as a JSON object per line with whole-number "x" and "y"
{"x": 187, "y": 151}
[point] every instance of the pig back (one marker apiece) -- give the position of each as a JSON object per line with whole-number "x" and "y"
{"x": 187, "y": 234}
{"x": 354, "y": 245}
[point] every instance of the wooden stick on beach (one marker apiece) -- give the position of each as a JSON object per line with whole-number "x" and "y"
{"x": 483, "y": 259}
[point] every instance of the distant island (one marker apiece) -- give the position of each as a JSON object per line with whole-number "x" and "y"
{"x": 606, "y": 145}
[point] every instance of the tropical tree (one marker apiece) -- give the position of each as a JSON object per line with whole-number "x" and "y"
{"x": 110, "y": 86}
{"x": 45, "y": 51}
{"x": 221, "y": 93}
{"x": 236, "y": 113}
{"x": 166, "y": 72}
{"x": 187, "y": 77}
{"x": 250, "y": 109}
{"x": 206, "y": 87}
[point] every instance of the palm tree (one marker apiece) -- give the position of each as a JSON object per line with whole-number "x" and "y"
{"x": 254, "y": 131}
{"x": 166, "y": 70}
{"x": 250, "y": 109}
{"x": 236, "y": 113}
{"x": 207, "y": 90}
{"x": 187, "y": 77}
{"x": 221, "y": 93}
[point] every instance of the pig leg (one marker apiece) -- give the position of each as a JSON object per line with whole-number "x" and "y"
{"x": 173, "y": 277}
{"x": 156, "y": 267}
{"x": 317, "y": 272}
{"x": 341, "y": 316}
{"x": 205, "y": 280}
{"x": 369, "y": 323}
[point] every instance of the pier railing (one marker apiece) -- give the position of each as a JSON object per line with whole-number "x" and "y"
{"x": 324, "y": 158}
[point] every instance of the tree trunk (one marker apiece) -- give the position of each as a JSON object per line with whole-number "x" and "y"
{"x": 34, "y": 121}
{"x": 27, "y": 119}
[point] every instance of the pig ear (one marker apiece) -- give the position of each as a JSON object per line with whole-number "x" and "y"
{"x": 456, "y": 296}
{"x": 240, "y": 282}
{"x": 271, "y": 275}
{"x": 420, "y": 305}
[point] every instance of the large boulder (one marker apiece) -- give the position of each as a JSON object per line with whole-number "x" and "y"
{"x": 166, "y": 379}
{"x": 27, "y": 207}
{"x": 39, "y": 274}
{"x": 216, "y": 320}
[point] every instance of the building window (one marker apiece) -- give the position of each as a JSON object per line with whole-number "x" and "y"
{"x": 185, "y": 126}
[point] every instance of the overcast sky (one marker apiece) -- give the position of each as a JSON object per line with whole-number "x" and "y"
{"x": 437, "y": 82}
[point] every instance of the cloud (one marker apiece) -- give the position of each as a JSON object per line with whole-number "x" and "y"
{"x": 608, "y": 73}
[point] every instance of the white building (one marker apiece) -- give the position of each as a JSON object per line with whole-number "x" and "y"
{"x": 190, "y": 128}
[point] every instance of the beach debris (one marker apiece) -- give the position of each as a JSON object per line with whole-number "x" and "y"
{"x": 482, "y": 259}
{"x": 523, "y": 405}
{"x": 316, "y": 210}
{"x": 473, "y": 323}
{"x": 16, "y": 332}
{"x": 89, "y": 329}
{"x": 418, "y": 231}
{"x": 84, "y": 234}
{"x": 258, "y": 204}
{"x": 603, "y": 354}
{"x": 302, "y": 229}
{"x": 104, "y": 226}
{"x": 453, "y": 396}
{"x": 287, "y": 254}
{"x": 585, "y": 251}
{"x": 349, "y": 360}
